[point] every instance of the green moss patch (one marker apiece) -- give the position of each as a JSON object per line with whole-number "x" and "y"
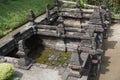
{"x": 54, "y": 58}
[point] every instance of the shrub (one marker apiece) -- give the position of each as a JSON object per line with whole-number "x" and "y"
{"x": 6, "y": 71}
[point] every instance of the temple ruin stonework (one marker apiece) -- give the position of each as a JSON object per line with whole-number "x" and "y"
{"x": 58, "y": 31}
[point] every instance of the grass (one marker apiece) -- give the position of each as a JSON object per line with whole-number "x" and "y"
{"x": 14, "y": 12}
{"x": 116, "y": 17}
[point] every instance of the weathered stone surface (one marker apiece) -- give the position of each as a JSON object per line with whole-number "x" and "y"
{"x": 48, "y": 12}
{"x": 2, "y": 59}
{"x": 75, "y": 59}
{"x": 31, "y": 17}
{"x": 7, "y": 46}
{"x": 60, "y": 45}
{"x": 56, "y": 35}
{"x": 24, "y": 62}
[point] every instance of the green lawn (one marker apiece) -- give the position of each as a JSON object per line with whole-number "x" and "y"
{"x": 116, "y": 16}
{"x": 14, "y": 12}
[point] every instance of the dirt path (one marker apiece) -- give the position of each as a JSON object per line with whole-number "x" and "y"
{"x": 110, "y": 69}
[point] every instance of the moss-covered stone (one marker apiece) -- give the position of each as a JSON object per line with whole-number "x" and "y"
{"x": 6, "y": 71}
{"x": 54, "y": 58}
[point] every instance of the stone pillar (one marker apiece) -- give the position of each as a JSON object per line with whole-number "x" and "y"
{"x": 31, "y": 17}
{"x": 48, "y": 12}
{"x": 108, "y": 16}
{"x": 78, "y": 5}
{"x": 99, "y": 40}
{"x": 104, "y": 20}
{"x": 57, "y": 5}
{"x": 60, "y": 28}
{"x": 79, "y": 51}
{"x": 24, "y": 62}
{"x": 56, "y": 2}
{"x": 105, "y": 3}
{"x": 93, "y": 42}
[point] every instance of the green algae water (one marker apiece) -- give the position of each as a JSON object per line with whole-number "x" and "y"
{"x": 54, "y": 58}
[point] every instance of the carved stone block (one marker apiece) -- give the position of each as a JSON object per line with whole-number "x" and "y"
{"x": 24, "y": 62}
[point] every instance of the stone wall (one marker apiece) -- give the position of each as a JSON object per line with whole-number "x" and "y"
{"x": 11, "y": 42}
{"x": 59, "y": 44}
